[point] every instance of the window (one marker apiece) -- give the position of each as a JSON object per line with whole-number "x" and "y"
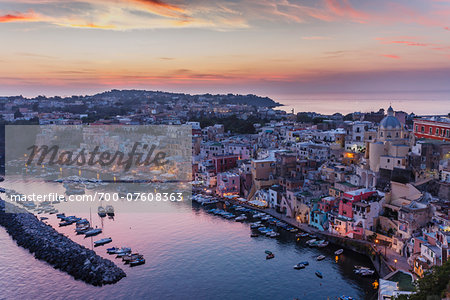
{"x": 388, "y": 160}
{"x": 417, "y": 128}
{"x": 422, "y": 129}
{"x": 396, "y": 134}
{"x": 437, "y": 131}
{"x": 381, "y": 133}
{"x": 431, "y": 130}
{"x": 398, "y": 162}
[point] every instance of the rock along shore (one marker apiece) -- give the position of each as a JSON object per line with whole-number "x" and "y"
{"x": 58, "y": 250}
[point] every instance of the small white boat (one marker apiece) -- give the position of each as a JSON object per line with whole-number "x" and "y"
{"x": 339, "y": 252}
{"x": 101, "y": 211}
{"x": 299, "y": 266}
{"x": 320, "y": 257}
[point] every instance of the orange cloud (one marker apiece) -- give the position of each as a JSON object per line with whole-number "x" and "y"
{"x": 391, "y": 56}
{"x": 18, "y": 17}
{"x": 161, "y": 4}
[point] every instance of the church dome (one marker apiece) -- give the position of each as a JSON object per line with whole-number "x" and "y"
{"x": 390, "y": 121}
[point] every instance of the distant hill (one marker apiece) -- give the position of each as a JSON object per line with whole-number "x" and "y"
{"x": 139, "y": 96}
{"x": 162, "y": 96}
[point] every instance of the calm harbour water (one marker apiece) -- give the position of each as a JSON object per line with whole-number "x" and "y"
{"x": 190, "y": 254}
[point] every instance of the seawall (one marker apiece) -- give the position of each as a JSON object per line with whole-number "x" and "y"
{"x": 62, "y": 253}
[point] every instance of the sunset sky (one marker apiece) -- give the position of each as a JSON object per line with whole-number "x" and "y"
{"x": 266, "y": 47}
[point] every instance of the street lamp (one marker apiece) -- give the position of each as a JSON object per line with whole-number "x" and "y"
{"x": 395, "y": 261}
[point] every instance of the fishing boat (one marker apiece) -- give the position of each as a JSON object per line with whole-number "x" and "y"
{"x": 304, "y": 263}
{"x": 323, "y": 244}
{"x": 123, "y": 251}
{"x": 320, "y": 257}
{"x": 319, "y": 274}
{"x": 137, "y": 262}
{"x": 363, "y": 271}
{"x": 66, "y": 223}
{"x": 299, "y": 266}
{"x": 345, "y": 298}
{"x": 83, "y": 230}
{"x": 109, "y": 210}
{"x": 101, "y": 211}
{"x": 270, "y": 255}
{"x": 102, "y": 242}
{"x": 93, "y": 232}
{"x": 339, "y": 252}
{"x": 130, "y": 257}
{"x": 112, "y": 250}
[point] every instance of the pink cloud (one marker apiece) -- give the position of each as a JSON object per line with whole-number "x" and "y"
{"x": 391, "y": 56}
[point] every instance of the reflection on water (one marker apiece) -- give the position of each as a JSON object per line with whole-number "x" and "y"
{"x": 190, "y": 254}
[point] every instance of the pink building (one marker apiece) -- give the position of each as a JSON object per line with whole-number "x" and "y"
{"x": 228, "y": 184}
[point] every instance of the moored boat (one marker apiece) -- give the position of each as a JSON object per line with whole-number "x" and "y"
{"x": 101, "y": 211}
{"x": 137, "y": 262}
{"x": 109, "y": 210}
{"x": 102, "y": 242}
{"x": 320, "y": 257}
{"x": 130, "y": 257}
{"x": 112, "y": 250}
{"x": 339, "y": 252}
{"x": 93, "y": 232}
{"x": 319, "y": 274}
{"x": 299, "y": 266}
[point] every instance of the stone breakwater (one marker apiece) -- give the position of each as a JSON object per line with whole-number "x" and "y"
{"x": 58, "y": 250}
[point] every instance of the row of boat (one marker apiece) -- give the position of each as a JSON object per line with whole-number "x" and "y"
{"x": 82, "y": 226}
{"x": 132, "y": 259}
{"x": 108, "y": 210}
